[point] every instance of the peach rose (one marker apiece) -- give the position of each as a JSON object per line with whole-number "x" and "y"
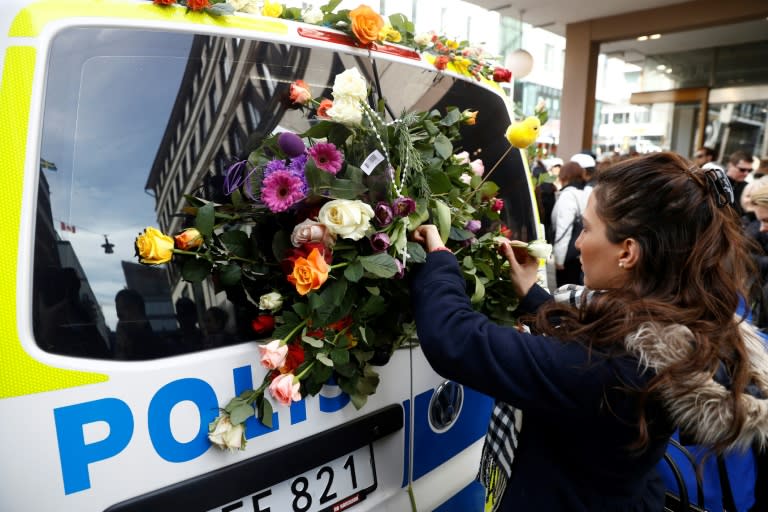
{"x": 300, "y": 92}
{"x": 188, "y": 239}
{"x": 309, "y": 273}
{"x": 366, "y": 24}
{"x": 322, "y": 110}
{"x": 284, "y": 390}
{"x": 273, "y": 354}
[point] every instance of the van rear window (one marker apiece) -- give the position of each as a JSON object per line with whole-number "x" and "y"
{"x": 133, "y": 121}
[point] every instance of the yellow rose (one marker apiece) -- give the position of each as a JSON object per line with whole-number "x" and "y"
{"x": 366, "y": 24}
{"x": 272, "y": 9}
{"x": 153, "y": 247}
{"x": 389, "y": 33}
{"x": 309, "y": 273}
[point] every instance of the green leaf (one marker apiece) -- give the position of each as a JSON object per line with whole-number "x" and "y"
{"x": 380, "y": 265}
{"x": 340, "y": 356}
{"x": 309, "y": 340}
{"x": 443, "y": 146}
{"x": 375, "y": 305}
{"x": 479, "y": 292}
{"x": 234, "y": 404}
{"x": 416, "y": 252}
{"x": 318, "y": 131}
{"x": 420, "y": 216}
{"x": 324, "y": 359}
{"x": 346, "y": 189}
{"x": 330, "y": 6}
{"x": 439, "y": 182}
{"x": 241, "y": 413}
{"x": 358, "y": 400}
{"x": 230, "y": 274}
{"x": 291, "y": 13}
{"x": 220, "y": 10}
{"x": 443, "y": 219}
{"x": 265, "y": 412}
{"x": 205, "y": 219}
{"x": 236, "y": 242}
{"x": 354, "y": 271}
{"x": 301, "y": 309}
{"x": 195, "y": 270}
{"x": 452, "y": 117}
{"x": 373, "y": 290}
{"x": 430, "y": 127}
{"x": 367, "y": 385}
{"x": 460, "y": 234}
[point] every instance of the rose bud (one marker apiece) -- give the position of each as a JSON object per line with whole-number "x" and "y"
{"x": 380, "y": 242}
{"x": 441, "y": 62}
{"x": 300, "y": 92}
{"x": 403, "y": 206}
{"x": 188, "y": 239}
{"x": 497, "y": 205}
{"x": 383, "y": 214}
{"x": 263, "y": 324}
{"x": 502, "y": 75}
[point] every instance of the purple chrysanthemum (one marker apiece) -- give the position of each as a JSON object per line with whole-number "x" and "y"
{"x": 291, "y": 144}
{"x": 327, "y": 157}
{"x": 281, "y": 190}
{"x": 404, "y": 206}
{"x": 296, "y": 167}
{"x": 383, "y": 214}
{"x": 380, "y": 242}
{"x": 274, "y": 165}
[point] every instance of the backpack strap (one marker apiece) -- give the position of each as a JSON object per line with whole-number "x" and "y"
{"x": 729, "y": 505}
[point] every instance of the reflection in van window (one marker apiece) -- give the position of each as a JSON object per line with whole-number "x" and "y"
{"x": 135, "y": 120}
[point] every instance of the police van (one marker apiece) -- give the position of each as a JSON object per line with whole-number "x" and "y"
{"x": 113, "y": 111}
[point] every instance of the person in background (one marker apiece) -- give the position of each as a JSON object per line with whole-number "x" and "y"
{"x": 546, "y": 194}
{"x": 739, "y": 167}
{"x": 566, "y": 221}
{"x": 704, "y": 155}
{"x": 605, "y": 376}
{"x": 762, "y": 168}
{"x": 587, "y": 162}
{"x": 134, "y": 337}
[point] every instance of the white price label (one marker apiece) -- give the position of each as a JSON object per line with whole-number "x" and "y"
{"x": 372, "y": 161}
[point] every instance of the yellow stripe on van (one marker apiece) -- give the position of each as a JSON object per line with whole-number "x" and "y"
{"x": 31, "y": 20}
{"x": 19, "y": 373}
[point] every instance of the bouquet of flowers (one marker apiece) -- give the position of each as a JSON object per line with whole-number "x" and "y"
{"x": 366, "y": 27}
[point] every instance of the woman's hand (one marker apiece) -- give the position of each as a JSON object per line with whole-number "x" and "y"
{"x": 523, "y": 268}
{"x": 428, "y": 236}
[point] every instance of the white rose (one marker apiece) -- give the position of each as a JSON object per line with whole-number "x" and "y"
{"x": 247, "y": 6}
{"x": 423, "y": 39}
{"x": 346, "y": 218}
{"x": 271, "y": 301}
{"x": 224, "y": 434}
{"x": 346, "y": 111}
{"x": 311, "y": 231}
{"x": 465, "y": 178}
{"x": 539, "y": 249}
{"x": 477, "y": 167}
{"x": 312, "y": 15}
{"x": 350, "y": 85}
{"x": 461, "y": 158}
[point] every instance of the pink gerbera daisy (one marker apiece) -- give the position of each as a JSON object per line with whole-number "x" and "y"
{"x": 281, "y": 190}
{"x": 327, "y": 157}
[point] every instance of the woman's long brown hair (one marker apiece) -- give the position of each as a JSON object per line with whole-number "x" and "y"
{"x": 693, "y": 267}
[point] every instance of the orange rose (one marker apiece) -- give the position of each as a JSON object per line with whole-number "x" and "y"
{"x": 309, "y": 273}
{"x": 322, "y": 110}
{"x": 300, "y": 92}
{"x": 198, "y": 5}
{"x": 366, "y": 24}
{"x": 188, "y": 239}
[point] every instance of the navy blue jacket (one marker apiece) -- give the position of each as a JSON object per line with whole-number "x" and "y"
{"x": 579, "y": 419}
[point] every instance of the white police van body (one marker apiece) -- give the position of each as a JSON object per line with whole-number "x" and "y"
{"x": 111, "y": 110}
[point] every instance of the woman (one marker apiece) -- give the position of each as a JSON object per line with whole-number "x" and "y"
{"x": 602, "y": 386}
{"x": 566, "y": 220}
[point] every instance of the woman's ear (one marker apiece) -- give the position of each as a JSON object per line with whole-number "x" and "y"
{"x": 630, "y": 254}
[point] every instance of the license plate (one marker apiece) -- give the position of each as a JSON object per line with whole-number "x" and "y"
{"x": 332, "y": 487}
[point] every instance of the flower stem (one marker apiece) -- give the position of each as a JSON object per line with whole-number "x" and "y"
{"x": 339, "y": 265}
{"x": 305, "y": 370}
{"x": 488, "y": 174}
{"x": 293, "y": 332}
{"x": 193, "y": 253}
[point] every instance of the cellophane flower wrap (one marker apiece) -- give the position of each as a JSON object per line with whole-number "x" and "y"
{"x": 314, "y": 232}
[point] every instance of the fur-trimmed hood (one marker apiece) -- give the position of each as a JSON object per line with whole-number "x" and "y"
{"x": 705, "y": 412}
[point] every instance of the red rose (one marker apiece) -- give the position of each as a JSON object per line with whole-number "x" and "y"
{"x": 497, "y": 205}
{"x": 502, "y": 75}
{"x": 441, "y": 62}
{"x": 294, "y": 358}
{"x": 505, "y": 231}
{"x": 342, "y": 324}
{"x": 198, "y": 5}
{"x": 263, "y": 324}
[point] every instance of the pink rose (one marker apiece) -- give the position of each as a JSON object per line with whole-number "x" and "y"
{"x": 311, "y": 231}
{"x": 477, "y": 167}
{"x": 284, "y": 390}
{"x": 299, "y": 92}
{"x": 273, "y": 354}
{"x": 462, "y": 158}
